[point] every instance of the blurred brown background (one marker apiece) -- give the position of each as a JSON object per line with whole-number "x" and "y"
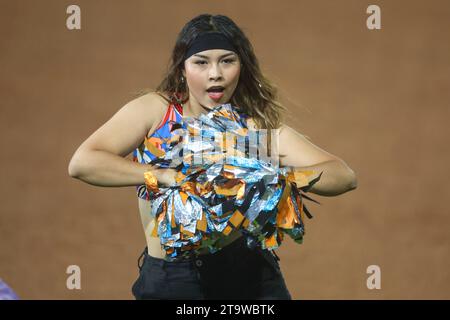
{"x": 379, "y": 99}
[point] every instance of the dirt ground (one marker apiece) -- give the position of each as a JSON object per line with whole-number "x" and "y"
{"x": 378, "y": 99}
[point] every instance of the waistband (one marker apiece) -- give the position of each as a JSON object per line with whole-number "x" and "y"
{"x": 190, "y": 257}
{"x": 231, "y": 248}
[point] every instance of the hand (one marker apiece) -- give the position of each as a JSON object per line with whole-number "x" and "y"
{"x": 165, "y": 176}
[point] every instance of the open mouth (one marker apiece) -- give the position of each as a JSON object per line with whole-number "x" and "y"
{"x": 215, "y": 92}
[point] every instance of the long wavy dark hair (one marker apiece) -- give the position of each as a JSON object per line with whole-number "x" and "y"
{"x": 254, "y": 94}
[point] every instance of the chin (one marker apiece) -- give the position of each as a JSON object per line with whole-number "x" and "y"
{"x": 219, "y": 102}
{"x": 213, "y": 104}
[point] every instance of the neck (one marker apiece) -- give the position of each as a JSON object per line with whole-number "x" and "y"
{"x": 192, "y": 108}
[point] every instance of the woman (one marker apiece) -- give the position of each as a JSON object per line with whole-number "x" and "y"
{"x": 213, "y": 63}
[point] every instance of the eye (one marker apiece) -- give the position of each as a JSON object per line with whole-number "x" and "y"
{"x": 229, "y": 60}
{"x": 200, "y": 62}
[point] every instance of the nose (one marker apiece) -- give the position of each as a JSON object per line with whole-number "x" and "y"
{"x": 215, "y": 72}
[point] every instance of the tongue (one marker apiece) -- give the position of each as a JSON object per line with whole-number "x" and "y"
{"x": 215, "y": 95}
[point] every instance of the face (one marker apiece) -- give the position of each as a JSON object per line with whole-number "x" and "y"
{"x": 209, "y": 68}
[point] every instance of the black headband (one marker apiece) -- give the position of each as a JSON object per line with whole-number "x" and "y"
{"x": 208, "y": 41}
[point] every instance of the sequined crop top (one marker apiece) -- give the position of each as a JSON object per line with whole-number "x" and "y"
{"x": 155, "y": 144}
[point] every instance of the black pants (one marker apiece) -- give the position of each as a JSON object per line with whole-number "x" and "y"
{"x": 235, "y": 272}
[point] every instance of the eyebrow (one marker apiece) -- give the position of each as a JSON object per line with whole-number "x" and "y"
{"x": 205, "y": 57}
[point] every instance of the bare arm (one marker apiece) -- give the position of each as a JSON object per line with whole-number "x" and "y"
{"x": 297, "y": 151}
{"x": 337, "y": 178}
{"x": 100, "y": 159}
{"x": 102, "y": 168}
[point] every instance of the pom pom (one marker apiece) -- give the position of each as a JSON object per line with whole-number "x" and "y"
{"x": 223, "y": 187}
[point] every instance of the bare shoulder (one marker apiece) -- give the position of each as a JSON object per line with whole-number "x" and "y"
{"x": 151, "y": 107}
{"x": 126, "y": 129}
{"x": 286, "y": 131}
{"x": 152, "y": 102}
{"x": 298, "y": 150}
